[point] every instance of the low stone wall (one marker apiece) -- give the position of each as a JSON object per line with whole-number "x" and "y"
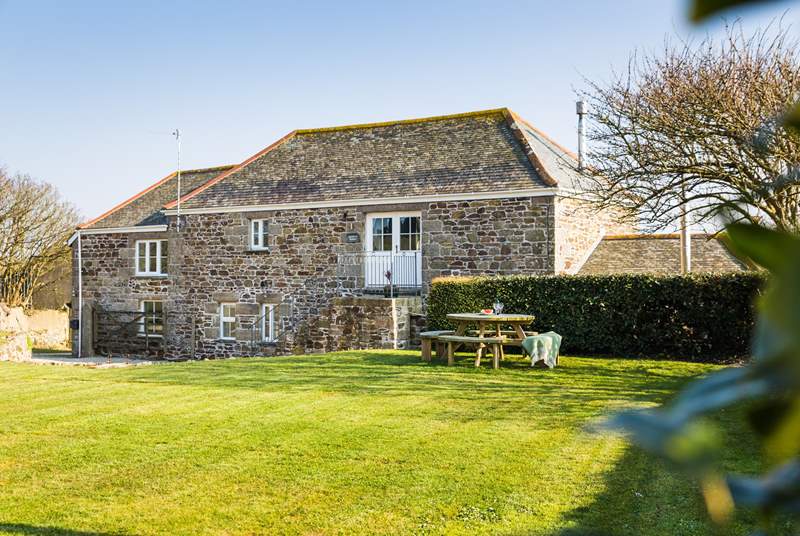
{"x": 371, "y": 322}
{"x": 14, "y": 345}
{"x": 49, "y": 328}
{"x": 419, "y": 323}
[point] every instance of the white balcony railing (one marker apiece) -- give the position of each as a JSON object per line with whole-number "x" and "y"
{"x": 384, "y": 270}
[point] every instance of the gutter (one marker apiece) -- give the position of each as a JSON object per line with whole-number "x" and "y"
{"x": 118, "y": 230}
{"x": 533, "y": 192}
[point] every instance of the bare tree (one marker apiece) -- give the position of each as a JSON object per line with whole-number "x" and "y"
{"x": 35, "y": 224}
{"x": 700, "y": 125}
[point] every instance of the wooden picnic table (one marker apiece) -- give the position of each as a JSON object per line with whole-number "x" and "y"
{"x": 495, "y": 324}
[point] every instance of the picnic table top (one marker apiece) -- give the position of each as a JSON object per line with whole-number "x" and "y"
{"x": 480, "y": 317}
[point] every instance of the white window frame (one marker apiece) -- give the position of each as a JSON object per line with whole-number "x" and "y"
{"x": 395, "y": 217}
{"x": 268, "y": 322}
{"x": 223, "y": 320}
{"x": 158, "y": 245}
{"x": 143, "y": 325}
{"x": 376, "y": 262}
{"x": 259, "y": 235}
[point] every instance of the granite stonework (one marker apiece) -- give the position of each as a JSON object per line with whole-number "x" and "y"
{"x": 307, "y": 274}
{"x": 488, "y": 237}
{"x": 579, "y": 228}
{"x": 363, "y": 322}
{"x": 14, "y": 334}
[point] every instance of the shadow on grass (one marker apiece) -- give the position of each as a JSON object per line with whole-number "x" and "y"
{"x": 641, "y": 496}
{"x": 644, "y": 495}
{"x": 567, "y": 390}
{"x": 34, "y": 530}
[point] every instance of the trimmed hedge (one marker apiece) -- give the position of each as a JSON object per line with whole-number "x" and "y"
{"x": 700, "y": 317}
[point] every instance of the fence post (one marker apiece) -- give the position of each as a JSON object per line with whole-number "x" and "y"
{"x": 90, "y": 320}
{"x": 194, "y": 337}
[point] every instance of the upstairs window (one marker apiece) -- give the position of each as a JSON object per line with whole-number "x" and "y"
{"x": 227, "y": 321}
{"x": 258, "y": 235}
{"x": 151, "y": 257}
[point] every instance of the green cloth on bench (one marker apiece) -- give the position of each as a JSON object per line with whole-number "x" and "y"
{"x": 543, "y": 347}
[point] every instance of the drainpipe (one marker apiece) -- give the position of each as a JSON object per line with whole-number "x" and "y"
{"x": 686, "y": 238}
{"x": 686, "y": 244}
{"x": 80, "y": 297}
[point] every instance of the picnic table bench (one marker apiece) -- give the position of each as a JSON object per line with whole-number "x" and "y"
{"x": 427, "y": 338}
{"x": 495, "y": 343}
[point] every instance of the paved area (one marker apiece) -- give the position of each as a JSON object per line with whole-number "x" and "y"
{"x": 95, "y": 361}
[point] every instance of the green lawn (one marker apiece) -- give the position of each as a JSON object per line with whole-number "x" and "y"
{"x": 345, "y": 443}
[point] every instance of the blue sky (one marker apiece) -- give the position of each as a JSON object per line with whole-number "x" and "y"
{"x": 89, "y": 91}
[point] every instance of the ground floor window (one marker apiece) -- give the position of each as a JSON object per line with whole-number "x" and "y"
{"x": 227, "y": 321}
{"x": 268, "y": 322}
{"x": 152, "y": 323}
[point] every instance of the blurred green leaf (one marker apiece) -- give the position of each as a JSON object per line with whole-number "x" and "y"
{"x": 725, "y": 238}
{"x": 777, "y": 334}
{"x": 791, "y": 119}
{"x": 764, "y": 246}
{"x": 784, "y": 441}
{"x": 778, "y": 490}
{"x": 702, "y": 9}
{"x": 766, "y": 416}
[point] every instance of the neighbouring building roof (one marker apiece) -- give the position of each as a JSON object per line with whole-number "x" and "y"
{"x": 659, "y": 254}
{"x": 487, "y": 151}
{"x": 145, "y": 207}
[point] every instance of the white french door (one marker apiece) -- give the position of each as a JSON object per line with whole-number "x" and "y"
{"x": 393, "y": 250}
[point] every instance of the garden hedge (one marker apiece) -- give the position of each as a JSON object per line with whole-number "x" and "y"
{"x": 699, "y": 317}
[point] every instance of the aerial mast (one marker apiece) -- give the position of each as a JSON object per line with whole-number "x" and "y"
{"x": 177, "y": 134}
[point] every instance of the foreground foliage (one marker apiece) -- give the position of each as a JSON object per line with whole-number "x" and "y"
{"x": 348, "y": 443}
{"x": 700, "y": 316}
{"x": 770, "y": 384}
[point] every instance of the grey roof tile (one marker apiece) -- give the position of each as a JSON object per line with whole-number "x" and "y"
{"x": 658, "y": 254}
{"x": 466, "y": 153}
{"x": 145, "y": 207}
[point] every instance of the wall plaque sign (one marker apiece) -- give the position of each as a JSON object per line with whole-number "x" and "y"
{"x": 352, "y": 238}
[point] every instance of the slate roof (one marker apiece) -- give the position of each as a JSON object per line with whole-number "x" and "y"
{"x": 658, "y": 254}
{"x": 492, "y": 150}
{"x": 145, "y": 207}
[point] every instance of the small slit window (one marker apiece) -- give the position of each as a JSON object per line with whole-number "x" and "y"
{"x": 268, "y": 322}
{"x": 227, "y": 321}
{"x": 259, "y": 235}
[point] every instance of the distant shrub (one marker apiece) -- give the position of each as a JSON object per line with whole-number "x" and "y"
{"x": 700, "y": 317}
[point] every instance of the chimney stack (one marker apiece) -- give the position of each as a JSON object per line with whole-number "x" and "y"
{"x": 581, "y": 108}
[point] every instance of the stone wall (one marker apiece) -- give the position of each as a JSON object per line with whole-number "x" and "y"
{"x": 56, "y": 286}
{"x": 14, "y": 343}
{"x": 488, "y": 237}
{"x": 364, "y": 322}
{"x": 303, "y": 271}
{"x": 48, "y": 328}
{"x": 109, "y": 280}
{"x": 579, "y": 229}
